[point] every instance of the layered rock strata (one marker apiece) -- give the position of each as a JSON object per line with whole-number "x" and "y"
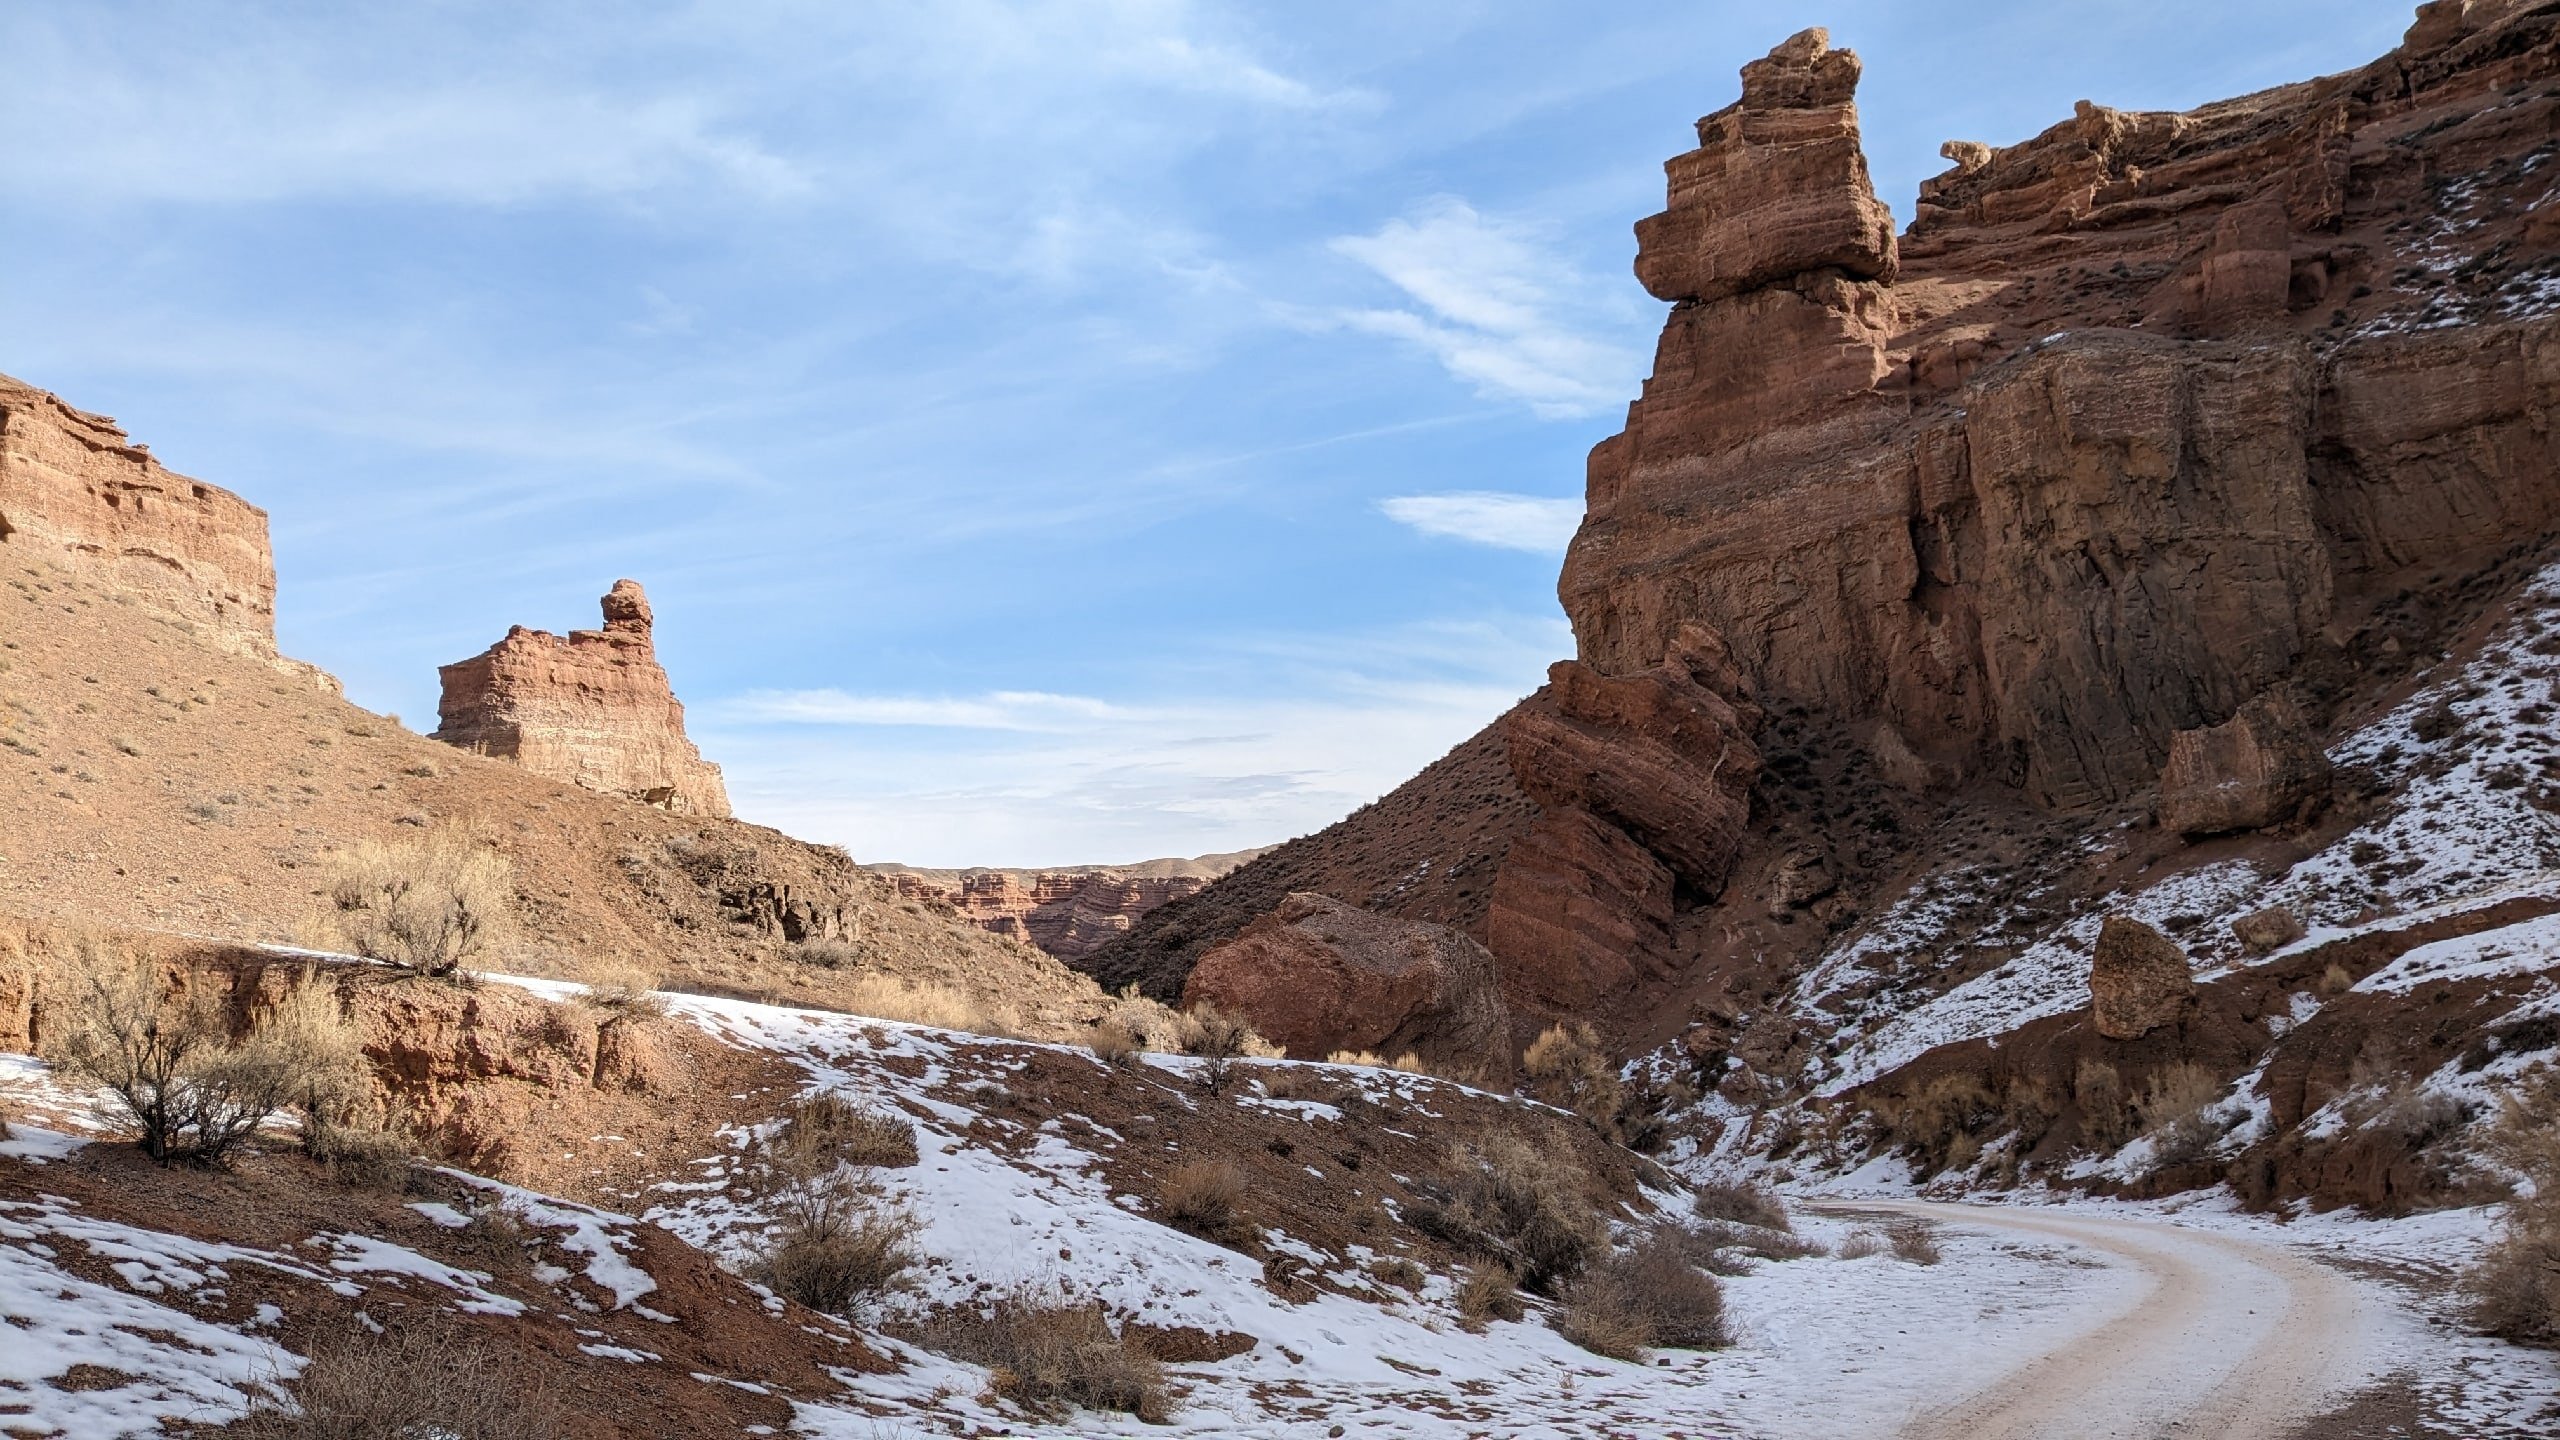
{"x": 592, "y": 707}
{"x": 1069, "y": 913}
{"x": 76, "y": 492}
{"x": 2144, "y": 420}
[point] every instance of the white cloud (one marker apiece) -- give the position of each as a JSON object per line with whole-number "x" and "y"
{"x": 1495, "y": 309}
{"x": 1282, "y": 737}
{"x": 1536, "y": 523}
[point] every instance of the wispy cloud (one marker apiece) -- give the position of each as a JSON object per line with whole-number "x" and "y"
{"x": 1495, "y": 308}
{"x": 1535, "y": 523}
{"x": 1028, "y": 711}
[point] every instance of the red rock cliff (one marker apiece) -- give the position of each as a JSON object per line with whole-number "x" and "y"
{"x": 75, "y": 492}
{"x": 592, "y": 707}
{"x": 2143, "y": 420}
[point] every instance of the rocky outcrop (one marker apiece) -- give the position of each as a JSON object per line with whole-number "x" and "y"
{"x": 2262, "y": 932}
{"x": 2259, "y": 768}
{"x": 2141, "y": 419}
{"x": 1068, "y": 913}
{"x": 591, "y": 707}
{"x": 1318, "y": 976}
{"x": 77, "y": 493}
{"x": 2139, "y": 980}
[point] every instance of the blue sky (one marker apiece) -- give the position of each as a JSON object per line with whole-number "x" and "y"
{"x": 1049, "y": 432}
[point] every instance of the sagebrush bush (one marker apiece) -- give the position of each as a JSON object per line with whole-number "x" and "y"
{"x": 1510, "y": 1202}
{"x": 1645, "y": 1296}
{"x": 1862, "y": 1244}
{"x": 1052, "y": 1356}
{"x": 2180, "y": 1112}
{"x": 822, "y": 1131}
{"x": 161, "y": 1047}
{"x": 1566, "y": 1067}
{"x": 622, "y": 987}
{"x": 1489, "y": 1292}
{"x": 2514, "y": 1290}
{"x": 434, "y": 904}
{"x": 836, "y": 1245}
{"x": 1218, "y": 1040}
{"x": 1743, "y": 1204}
{"x": 419, "y": 1379}
{"x": 1205, "y": 1198}
{"x": 1915, "y": 1241}
{"x": 1113, "y": 1045}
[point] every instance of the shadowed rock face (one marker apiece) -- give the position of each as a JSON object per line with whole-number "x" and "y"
{"x": 591, "y": 707}
{"x": 2259, "y": 768}
{"x": 2143, "y": 420}
{"x": 1317, "y": 976}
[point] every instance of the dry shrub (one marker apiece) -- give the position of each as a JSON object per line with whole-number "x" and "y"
{"x": 1218, "y": 1040}
{"x": 433, "y": 904}
{"x": 2106, "y": 1110}
{"x": 1296, "y": 1082}
{"x": 1566, "y": 1067}
{"x": 1409, "y": 1063}
{"x": 1397, "y": 1271}
{"x": 361, "y": 1156}
{"x": 830, "y": 954}
{"x": 823, "y": 1131}
{"x": 1206, "y": 1198}
{"x": 2514, "y": 1291}
{"x": 2180, "y": 1112}
{"x": 166, "y": 1057}
{"x": 1369, "y": 1058}
{"x": 2336, "y": 981}
{"x": 1931, "y": 1121}
{"x": 1052, "y": 1356}
{"x": 1768, "y": 1244}
{"x": 1914, "y": 1240}
{"x": 2028, "y": 1106}
{"x": 495, "y": 1239}
{"x": 920, "y": 1002}
{"x": 1861, "y": 1245}
{"x": 1510, "y": 1202}
{"x": 836, "y": 1245}
{"x": 1741, "y": 1203}
{"x": 1489, "y": 1292}
{"x": 420, "y": 1380}
{"x": 1645, "y": 1296}
{"x": 622, "y": 988}
{"x": 1151, "y": 1023}
{"x": 1113, "y": 1045}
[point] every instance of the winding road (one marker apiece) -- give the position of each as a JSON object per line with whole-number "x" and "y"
{"x": 2234, "y": 1339}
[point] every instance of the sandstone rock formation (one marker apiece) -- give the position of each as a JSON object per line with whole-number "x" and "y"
{"x": 2259, "y": 768}
{"x": 2139, "y": 979}
{"x": 76, "y": 492}
{"x": 2262, "y": 932}
{"x": 1317, "y": 976}
{"x": 591, "y": 707}
{"x": 1069, "y": 912}
{"x": 2141, "y": 419}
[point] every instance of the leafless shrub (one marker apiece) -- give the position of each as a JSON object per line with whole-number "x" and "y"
{"x": 1743, "y": 1204}
{"x": 1206, "y": 1198}
{"x": 1861, "y": 1245}
{"x": 1218, "y": 1040}
{"x": 2181, "y": 1113}
{"x": 1915, "y": 1241}
{"x": 1151, "y": 1023}
{"x": 829, "y": 954}
{"x": 836, "y": 1245}
{"x": 1489, "y": 1292}
{"x": 360, "y": 1156}
{"x": 416, "y": 1380}
{"x": 1566, "y": 1067}
{"x": 622, "y": 988}
{"x": 823, "y": 1131}
{"x": 1113, "y": 1045}
{"x": 1529, "y": 1210}
{"x": 432, "y": 904}
{"x": 165, "y": 1055}
{"x": 1397, "y": 1271}
{"x": 2514, "y": 1290}
{"x": 1052, "y": 1356}
{"x": 2106, "y": 1111}
{"x": 1757, "y": 1240}
{"x": 1644, "y": 1296}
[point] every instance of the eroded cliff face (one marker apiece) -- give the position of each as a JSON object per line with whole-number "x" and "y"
{"x": 1945, "y": 537}
{"x": 592, "y": 707}
{"x": 77, "y": 493}
{"x": 1069, "y": 912}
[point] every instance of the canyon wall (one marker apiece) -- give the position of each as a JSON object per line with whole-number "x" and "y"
{"x": 1070, "y": 912}
{"x": 77, "y": 493}
{"x": 2143, "y": 420}
{"x": 592, "y": 707}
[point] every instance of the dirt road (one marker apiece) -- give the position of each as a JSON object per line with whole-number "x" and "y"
{"x": 2235, "y": 1338}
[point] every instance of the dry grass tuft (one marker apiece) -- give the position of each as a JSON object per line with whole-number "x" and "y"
{"x": 1113, "y": 1045}
{"x": 1861, "y": 1245}
{"x": 1052, "y": 1356}
{"x": 416, "y": 1380}
{"x": 923, "y": 1002}
{"x": 1490, "y": 1292}
{"x": 1206, "y": 1198}
{"x": 1914, "y": 1241}
{"x": 1740, "y": 1203}
{"x": 622, "y": 988}
{"x": 823, "y": 1131}
{"x": 1644, "y": 1296}
{"x": 1567, "y": 1067}
{"x": 433, "y": 904}
{"x": 2515, "y": 1289}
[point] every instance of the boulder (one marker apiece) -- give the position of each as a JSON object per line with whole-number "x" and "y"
{"x": 2259, "y": 768}
{"x": 2138, "y": 980}
{"x": 1317, "y": 975}
{"x": 2261, "y": 932}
